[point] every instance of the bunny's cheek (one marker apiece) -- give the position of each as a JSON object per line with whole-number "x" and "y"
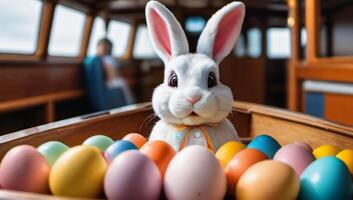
{"x": 179, "y": 107}
{"x": 207, "y": 106}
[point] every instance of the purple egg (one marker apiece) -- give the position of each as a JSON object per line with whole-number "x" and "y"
{"x": 296, "y": 156}
{"x": 305, "y": 145}
{"x": 132, "y": 175}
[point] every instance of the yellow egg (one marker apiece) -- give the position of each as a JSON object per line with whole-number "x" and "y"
{"x": 326, "y": 150}
{"x": 79, "y": 172}
{"x": 226, "y": 152}
{"x": 347, "y": 157}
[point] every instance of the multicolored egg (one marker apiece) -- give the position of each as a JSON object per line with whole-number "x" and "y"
{"x": 194, "y": 173}
{"x": 226, "y": 152}
{"x": 135, "y": 138}
{"x": 295, "y": 156}
{"x": 347, "y": 157}
{"x": 326, "y": 178}
{"x": 268, "y": 179}
{"x": 132, "y": 175}
{"x": 160, "y": 152}
{"x": 305, "y": 145}
{"x": 52, "y": 150}
{"x": 23, "y": 168}
{"x": 117, "y": 148}
{"x": 239, "y": 164}
{"x": 102, "y": 142}
{"x": 266, "y": 144}
{"x": 326, "y": 150}
{"x": 79, "y": 172}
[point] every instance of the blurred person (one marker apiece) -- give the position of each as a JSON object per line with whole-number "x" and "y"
{"x": 111, "y": 71}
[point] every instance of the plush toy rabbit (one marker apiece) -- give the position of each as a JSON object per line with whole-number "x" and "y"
{"x": 192, "y": 103}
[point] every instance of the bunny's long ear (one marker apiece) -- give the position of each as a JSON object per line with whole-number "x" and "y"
{"x": 222, "y": 30}
{"x": 167, "y": 36}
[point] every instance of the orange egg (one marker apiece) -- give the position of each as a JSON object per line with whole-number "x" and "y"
{"x": 160, "y": 152}
{"x": 137, "y": 139}
{"x": 239, "y": 164}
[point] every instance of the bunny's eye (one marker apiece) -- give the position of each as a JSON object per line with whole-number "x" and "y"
{"x": 212, "y": 80}
{"x": 173, "y": 80}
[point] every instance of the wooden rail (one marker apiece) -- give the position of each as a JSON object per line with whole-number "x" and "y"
{"x": 48, "y": 100}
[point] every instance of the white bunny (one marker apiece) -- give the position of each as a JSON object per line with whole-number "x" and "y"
{"x": 192, "y": 103}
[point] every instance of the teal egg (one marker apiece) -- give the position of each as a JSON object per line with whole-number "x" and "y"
{"x": 117, "y": 148}
{"x": 266, "y": 144}
{"x": 326, "y": 178}
{"x": 102, "y": 142}
{"x": 52, "y": 150}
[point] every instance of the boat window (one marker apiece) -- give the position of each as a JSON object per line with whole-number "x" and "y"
{"x": 118, "y": 33}
{"x": 67, "y": 30}
{"x": 254, "y": 42}
{"x": 278, "y": 43}
{"x": 98, "y": 32}
{"x": 22, "y": 21}
{"x": 143, "y": 47}
{"x": 195, "y": 24}
{"x": 240, "y": 48}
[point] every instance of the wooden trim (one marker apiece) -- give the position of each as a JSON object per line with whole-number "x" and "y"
{"x": 45, "y": 29}
{"x": 312, "y": 20}
{"x": 293, "y": 23}
{"x": 132, "y": 38}
{"x": 86, "y": 35}
{"x": 39, "y": 100}
{"x": 343, "y": 73}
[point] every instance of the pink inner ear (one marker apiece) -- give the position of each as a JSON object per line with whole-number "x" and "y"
{"x": 226, "y": 30}
{"x": 161, "y": 32}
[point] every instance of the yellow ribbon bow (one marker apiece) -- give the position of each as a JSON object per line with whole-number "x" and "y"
{"x": 187, "y": 129}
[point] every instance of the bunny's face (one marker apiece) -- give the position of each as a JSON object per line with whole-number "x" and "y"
{"x": 192, "y": 93}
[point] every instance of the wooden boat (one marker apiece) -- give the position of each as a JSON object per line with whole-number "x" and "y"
{"x": 250, "y": 120}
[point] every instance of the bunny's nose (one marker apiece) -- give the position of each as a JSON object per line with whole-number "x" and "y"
{"x": 193, "y": 100}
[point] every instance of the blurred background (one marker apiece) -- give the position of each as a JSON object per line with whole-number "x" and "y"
{"x": 64, "y": 58}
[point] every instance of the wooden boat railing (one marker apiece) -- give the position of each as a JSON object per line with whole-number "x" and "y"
{"x": 250, "y": 120}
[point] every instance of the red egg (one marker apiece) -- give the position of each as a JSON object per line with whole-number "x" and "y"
{"x": 239, "y": 164}
{"x": 24, "y": 168}
{"x": 160, "y": 152}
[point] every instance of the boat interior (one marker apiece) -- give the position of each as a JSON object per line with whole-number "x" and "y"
{"x": 291, "y": 54}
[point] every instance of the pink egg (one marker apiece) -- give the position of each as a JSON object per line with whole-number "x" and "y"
{"x": 24, "y": 168}
{"x": 132, "y": 175}
{"x": 305, "y": 145}
{"x": 195, "y": 173}
{"x": 297, "y": 156}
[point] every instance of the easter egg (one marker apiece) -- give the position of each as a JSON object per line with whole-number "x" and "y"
{"x": 24, "y": 168}
{"x": 239, "y": 164}
{"x": 305, "y": 145}
{"x": 79, "y": 172}
{"x": 268, "y": 180}
{"x": 226, "y": 152}
{"x": 266, "y": 144}
{"x": 347, "y": 157}
{"x": 326, "y": 150}
{"x": 326, "y": 178}
{"x": 160, "y": 152}
{"x": 135, "y": 138}
{"x": 52, "y": 150}
{"x": 295, "y": 156}
{"x": 194, "y": 173}
{"x": 117, "y": 148}
{"x": 102, "y": 142}
{"x": 132, "y": 175}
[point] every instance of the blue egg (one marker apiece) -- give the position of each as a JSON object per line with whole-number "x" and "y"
{"x": 117, "y": 148}
{"x": 266, "y": 144}
{"x": 326, "y": 178}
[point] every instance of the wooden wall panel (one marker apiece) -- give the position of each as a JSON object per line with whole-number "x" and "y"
{"x": 26, "y": 80}
{"x": 339, "y": 108}
{"x": 246, "y": 77}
